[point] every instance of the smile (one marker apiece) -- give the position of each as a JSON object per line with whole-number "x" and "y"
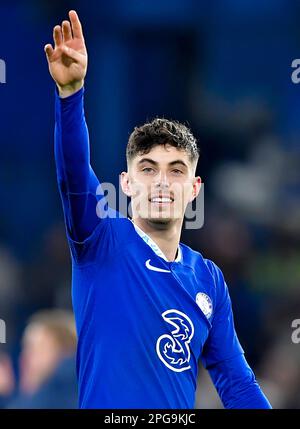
{"x": 161, "y": 200}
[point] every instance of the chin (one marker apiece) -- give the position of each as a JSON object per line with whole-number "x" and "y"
{"x": 161, "y": 216}
{"x": 164, "y": 220}
{"x": 160, "y": 223}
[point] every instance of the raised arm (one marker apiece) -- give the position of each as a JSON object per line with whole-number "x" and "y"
{"x": 77, "y": 182}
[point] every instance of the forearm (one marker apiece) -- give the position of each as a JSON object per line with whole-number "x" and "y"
{"x": 237, "y": 386}
{"x": 72, "y": 152}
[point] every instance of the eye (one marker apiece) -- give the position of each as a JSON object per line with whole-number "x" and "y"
{"x": 147, "y": 170}
{"x": 177, "y": 172}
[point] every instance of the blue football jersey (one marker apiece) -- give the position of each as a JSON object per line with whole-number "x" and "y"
{"x": 143, "y": 322}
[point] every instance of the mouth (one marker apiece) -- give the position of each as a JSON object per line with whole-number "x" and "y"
{"x": 161, "y": 200}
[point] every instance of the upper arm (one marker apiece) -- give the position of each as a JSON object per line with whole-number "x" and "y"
{"x": 222, "y": 342}
{"x": 89, "y": 229}
{"x": 80, "y": 210}
{"x": 223, "y": 355}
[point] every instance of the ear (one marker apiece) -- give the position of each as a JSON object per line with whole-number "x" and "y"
{"x": 196, "y": 188}
{"x": 125, "y": 183}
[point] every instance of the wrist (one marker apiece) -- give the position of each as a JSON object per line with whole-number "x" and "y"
{"x": 68, "y": 90}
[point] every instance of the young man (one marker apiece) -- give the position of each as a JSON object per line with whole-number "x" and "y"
{"x": 147, "y": 307}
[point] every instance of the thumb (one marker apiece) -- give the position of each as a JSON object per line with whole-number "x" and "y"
{"x": 71, "y": 53}
{"x": 48, "y": 50}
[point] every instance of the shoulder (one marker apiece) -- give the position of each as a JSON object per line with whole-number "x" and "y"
{"x": 205, "y": 269}
{"x": 111, "y": 233}
{"x": 197, "y": 261}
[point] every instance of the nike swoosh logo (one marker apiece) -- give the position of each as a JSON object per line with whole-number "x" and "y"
{"x": 151, "y": 267}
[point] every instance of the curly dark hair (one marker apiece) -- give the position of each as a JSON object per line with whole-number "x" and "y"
{"x": 162, "y": 131}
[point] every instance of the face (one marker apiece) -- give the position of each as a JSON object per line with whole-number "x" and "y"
{"x": 161, "y": 183}
{"x": 39, "y": 357}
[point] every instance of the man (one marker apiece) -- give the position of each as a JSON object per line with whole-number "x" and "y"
{"x": 147, "y": 307}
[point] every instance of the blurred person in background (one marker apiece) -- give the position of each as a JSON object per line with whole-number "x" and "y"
{"x": 47, "y": 363}
{"x": 47, "y": 276}
{"x": 7, "y": 379}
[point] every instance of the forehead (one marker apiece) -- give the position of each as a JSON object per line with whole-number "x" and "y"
{"x": 34, "y": 332}
{"x": 164, "y": 154}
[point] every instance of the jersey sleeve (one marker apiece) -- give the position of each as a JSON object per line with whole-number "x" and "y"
{"x": 222, "y": 342}
{"x": 223, "y": 355}
{"x": 236, "y": 384}
{"x": 86, "y": 212}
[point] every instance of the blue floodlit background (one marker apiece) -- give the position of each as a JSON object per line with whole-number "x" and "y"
{"x": 222, "y": 66}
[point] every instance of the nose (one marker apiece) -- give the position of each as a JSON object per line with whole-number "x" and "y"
{"x": 162, "y": 180}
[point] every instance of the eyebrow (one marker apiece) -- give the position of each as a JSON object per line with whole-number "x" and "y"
{"x": 151, "y": 161}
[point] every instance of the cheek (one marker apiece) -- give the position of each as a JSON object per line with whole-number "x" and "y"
{"x": 139, "y": 188}
{"x": 183, "y": 191}
{"x": 144, "y": 180}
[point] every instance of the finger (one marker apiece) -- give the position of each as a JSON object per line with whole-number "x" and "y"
{"x": 57, "y": 36}
{"x": 71, "y": 53}
{"x": 76, "y": 25}
{"x": 66, "y": 31}
{"x": 48, "y": 50}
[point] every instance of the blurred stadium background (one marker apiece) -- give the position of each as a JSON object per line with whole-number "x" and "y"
{"x": 223, "y": 66}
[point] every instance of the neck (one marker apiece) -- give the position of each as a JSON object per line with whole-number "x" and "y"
{"x": 166, "y": 236}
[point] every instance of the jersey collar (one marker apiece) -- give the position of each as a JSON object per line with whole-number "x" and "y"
{"x": 153, "y": 245}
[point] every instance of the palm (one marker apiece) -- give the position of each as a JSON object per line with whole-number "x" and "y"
{"x": 63, "y": 68}
{"x": 67, "y": 66}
